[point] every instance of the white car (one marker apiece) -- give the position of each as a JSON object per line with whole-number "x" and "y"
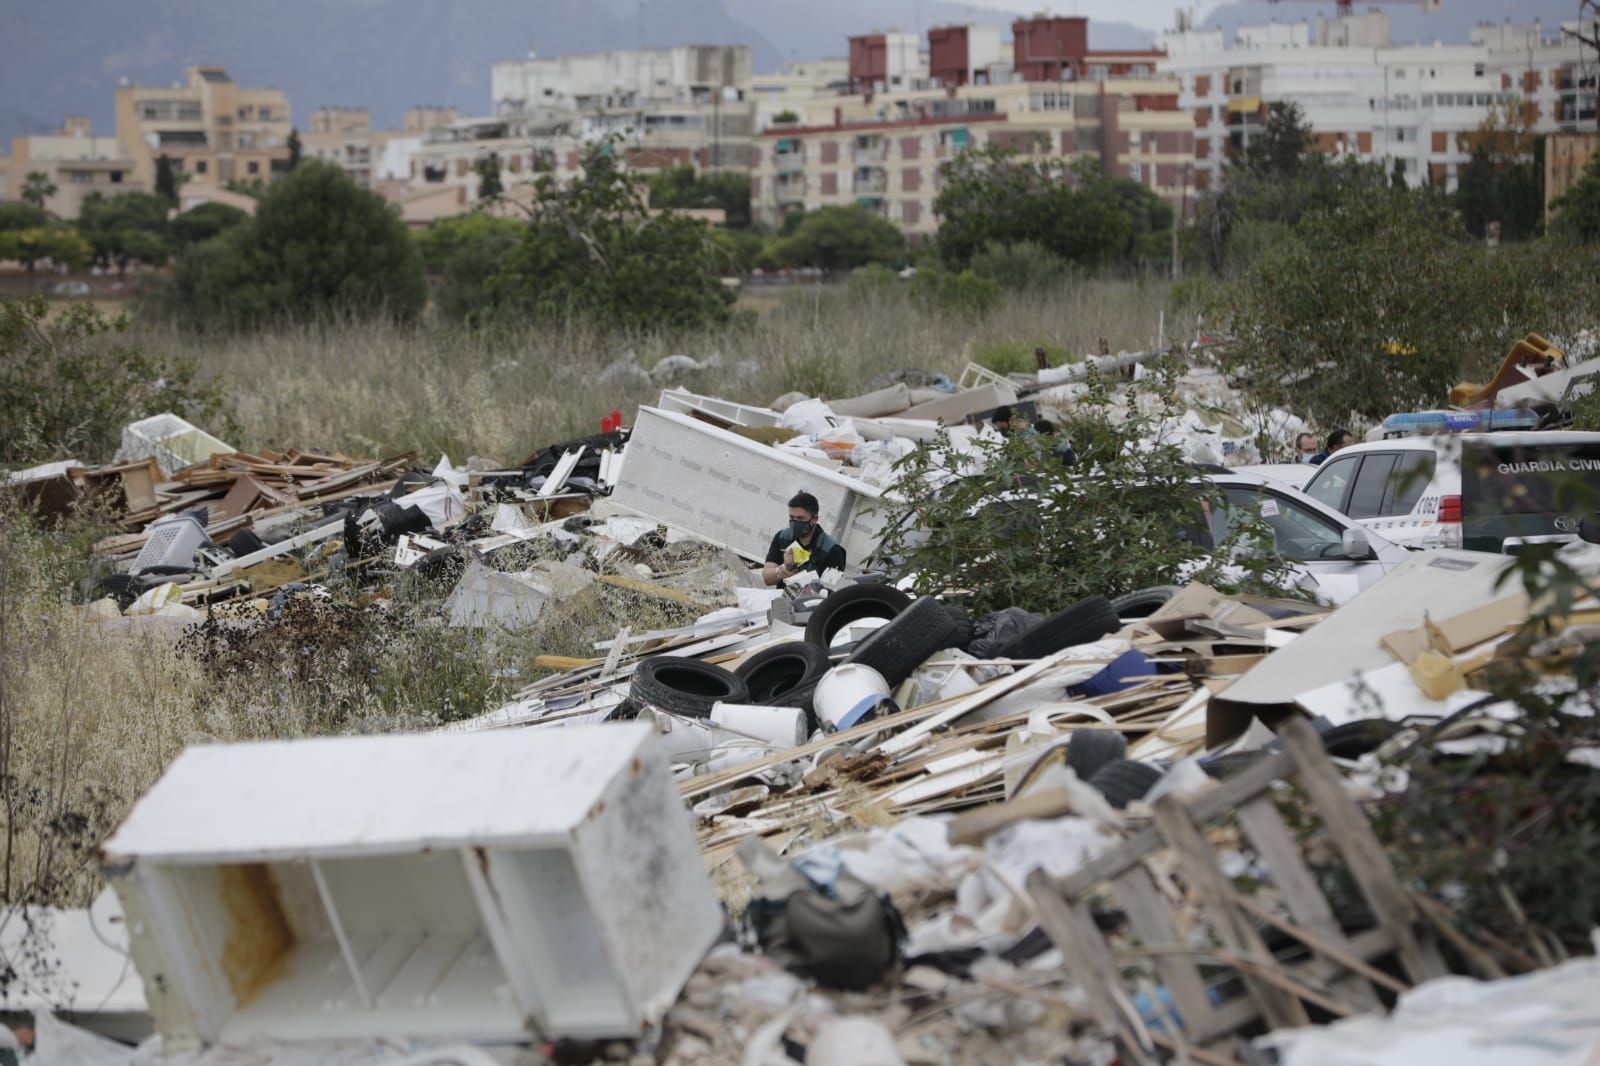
{"x": 1335, "y": 554}
{"x": 1479, "y": 491}
{"x": 1295, "y": 475}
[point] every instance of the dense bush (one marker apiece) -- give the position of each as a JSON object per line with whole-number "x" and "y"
{"x": 1021, "y": 266}
{"x": 963, "y": 293}
{"x": 70, "y": 382}
{"x": 840, "y": 238}
{"x": 319, "y": 246}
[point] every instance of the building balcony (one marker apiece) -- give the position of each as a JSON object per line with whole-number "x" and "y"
{"x": 870, "y": 183}
{"x": 867, "y": 155}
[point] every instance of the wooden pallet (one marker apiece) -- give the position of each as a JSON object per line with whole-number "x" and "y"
{"x": 1338, "y": 978}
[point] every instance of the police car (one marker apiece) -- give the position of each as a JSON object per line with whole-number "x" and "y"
{"x": 1479, "y": 491}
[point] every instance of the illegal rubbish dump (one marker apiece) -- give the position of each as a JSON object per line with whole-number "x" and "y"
{"x": 822, "y": 820}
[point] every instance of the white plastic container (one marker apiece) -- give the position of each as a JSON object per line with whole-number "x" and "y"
{"x": 849, "y": 694}
{"x": 175, "y": 442}
{"x": 481, "y": 887}
{"x": 172, "y": 542}
{"x": 782, "y": 727}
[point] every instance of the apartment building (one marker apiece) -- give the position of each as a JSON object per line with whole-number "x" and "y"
{"x": 344, "y": 137}
{"x": 884, "y": 150}
{"x": 795, "y": 85}
{"x": 75, "y": 161}
{"x": 1410, "y": 108}
{"x": 213, "y": 129}
{"x": 622, "y": 80}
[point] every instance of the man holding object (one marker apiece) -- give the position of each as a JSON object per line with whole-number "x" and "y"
{"x": 801, "y": 545}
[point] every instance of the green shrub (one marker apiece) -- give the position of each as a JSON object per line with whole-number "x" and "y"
{"x": 69, "y": 383}
{"x": 963, "y": 293}
{"x": 873, "y": 280}
{"x": 1021, "y": 266}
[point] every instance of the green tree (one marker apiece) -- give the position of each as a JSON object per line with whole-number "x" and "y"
{"x": 993, "y": 195}
{"x": 14, "y": 214}
{"x": 841, "y": 238}
{"x": 126, "y": 229}
{"x": 1282, "y": 147}
{"x": 57, "y": 243}
{"x": 70, "y": 381}
{"x": 1503, "y": 180}
{"x": 684, "y": 187}
{"x": 1368, "y": 308}
{"x": 1024, "y": 265}
{"x": 204, "y": 221}
{"x": 1578, "y": 210}
{"x": 467, "y": 251}
{"x": 318, "y": 246}
{"x": 295, "y": 149}
{"x": 592, "y": 249}
{"x": 489, "y": 177}
{"x": 37, "y": 188}
{"x": 166, "y": 180}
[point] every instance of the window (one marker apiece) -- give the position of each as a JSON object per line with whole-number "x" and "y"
{"x": 116, "y": 177}
{"x": 1399, "y": 72}
{"x": 1328, "y": 486}
{"x": 253, "y": 167}
{"x": 82, "y": 177}
{"x": 1408, "y": 480}
{"x": 1477, "y": 70}
{"x": 200, "y": 166}
{"x": 1298, "y": 534}
{"x": 1427, "y": 101}
{"x": 1372, "y": 482}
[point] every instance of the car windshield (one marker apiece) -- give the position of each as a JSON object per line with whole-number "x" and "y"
{"x": 1298, "y": 533}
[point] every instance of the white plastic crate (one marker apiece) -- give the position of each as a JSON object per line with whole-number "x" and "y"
{"x": 451, "y": 886}
{"x": 172, "y": 541}
{"x": 175, "y": 442}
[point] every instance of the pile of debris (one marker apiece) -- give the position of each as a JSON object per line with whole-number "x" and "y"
{"x": 824, "y": 821}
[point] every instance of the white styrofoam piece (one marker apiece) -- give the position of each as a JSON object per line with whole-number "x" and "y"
{"x": 83, "y": 962}
{"x": 456, "y": 886}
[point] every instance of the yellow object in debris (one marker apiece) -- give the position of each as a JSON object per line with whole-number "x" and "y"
{"x": 1436, "y": 675}
{"x": 1531, "y": 351}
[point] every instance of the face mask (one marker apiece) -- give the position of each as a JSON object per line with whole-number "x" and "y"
{"x": 801, "y": 530}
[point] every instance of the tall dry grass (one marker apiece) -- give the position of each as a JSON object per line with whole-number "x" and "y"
{"x": 91, "y": 714}
{"x": 376, "y": 389}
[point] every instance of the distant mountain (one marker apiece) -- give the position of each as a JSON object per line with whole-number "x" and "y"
{"x": 67, "y": 58}
{"x": 1408, "y": 22}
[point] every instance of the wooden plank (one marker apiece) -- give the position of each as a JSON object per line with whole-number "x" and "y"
{"x": 1227, "y": 795}
{"x": 1350, "y": 832}
{"x": 1148, "y": 914}
{"x": 1087, "y": 956}
{"x": 1277, "y": 848}
{"x": 973, "y": 826}
{"x": 1344, "y": 953}
{"x": 1198, "y": 862}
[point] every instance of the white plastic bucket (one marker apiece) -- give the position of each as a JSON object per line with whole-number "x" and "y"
{"x": 849, "y": 694}
{"x": 782, "y": 727}
{"x": 854, "y": 1042}
{"x": 687, "y": 740}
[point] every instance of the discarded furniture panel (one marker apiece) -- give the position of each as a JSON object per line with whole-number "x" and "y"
{"x": 734, "y": 492}
{"x": 1435, "y": 584}
{"x": 460, "y": 886}
{"x": 682, "y": 401}
{"x": 1337, "y": 977}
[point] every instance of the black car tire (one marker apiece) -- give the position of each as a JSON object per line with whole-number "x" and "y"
{"x": 1124, "y": 781}
{"x": 1222, "y": 767}
{"x": 902, "y": 645}
{"x": 1355, "y": 739}
{"x": 1091, "y": 750}
{"x": 685, "y": 686}
{"x": 784, "y": 675}
{"x": 1085, "y": 621}
{"x": 847, "y": 606}
{"x": 1144, "y": 602}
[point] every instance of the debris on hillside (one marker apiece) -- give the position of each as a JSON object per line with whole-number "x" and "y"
{"x": 820, "y": 821}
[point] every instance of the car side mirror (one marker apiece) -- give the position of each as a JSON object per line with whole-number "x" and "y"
{"x": 1356, "y": 544}
{"x": 1589, "y": 529}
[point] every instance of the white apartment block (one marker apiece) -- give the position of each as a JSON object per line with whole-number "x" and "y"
{"x": 598, "y": 81}
{"x": 796, "y": 85}
{"x": 1406, "y": 107}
